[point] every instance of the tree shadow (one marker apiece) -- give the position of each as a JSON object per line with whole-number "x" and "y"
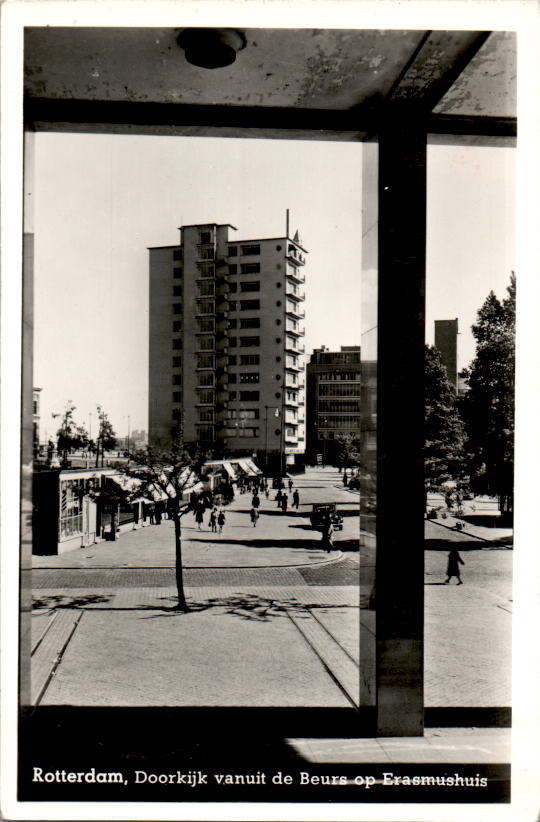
{"x": 55, "y": 601}
{"x": 488, "y": 520}
{"x": 251, "y": 607}
{"x": 262, "y": 542}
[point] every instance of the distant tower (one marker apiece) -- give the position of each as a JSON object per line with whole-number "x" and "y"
{"x": 446, "y": 332}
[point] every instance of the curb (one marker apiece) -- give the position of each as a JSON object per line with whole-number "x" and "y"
{"x": 469, "y": 534}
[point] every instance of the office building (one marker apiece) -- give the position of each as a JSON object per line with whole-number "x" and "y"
{"x": 226, "y": 343}
{"x": 333, "y": 386}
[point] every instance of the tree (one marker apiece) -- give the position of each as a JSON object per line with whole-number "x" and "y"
{"x": 70, "y": 435}
{"x": 488, "y": 405}
{"x": 109, "y": 494}
{"x": 167, "y": 472}
{"x": 444, "y": 435}
{"x": 347, "y": 451}
{"x": 106, "y": 438}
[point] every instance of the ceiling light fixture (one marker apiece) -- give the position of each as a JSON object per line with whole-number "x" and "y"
{"x": 211, "y": 48}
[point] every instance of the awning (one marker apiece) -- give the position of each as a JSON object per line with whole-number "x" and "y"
{"x": 250, "y": 467}
{"x": 230, "y": 470}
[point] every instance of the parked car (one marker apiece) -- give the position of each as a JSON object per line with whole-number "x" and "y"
{"x": 322, "y": 510}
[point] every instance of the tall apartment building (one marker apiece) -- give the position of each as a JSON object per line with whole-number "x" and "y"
{"x": 333, "y": 402}
{"x": 446, "y": 334}
{"x": 226, "y": 350}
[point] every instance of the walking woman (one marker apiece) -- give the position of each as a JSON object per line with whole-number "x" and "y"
{"x": 221, "y": 521}
{"x": 452, "y": 570}
{"x": 254, "y": 514}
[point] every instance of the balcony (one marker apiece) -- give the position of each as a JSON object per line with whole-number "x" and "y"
{"x": 289, "y": 346}
{"x": 297, "y": 295}
{"x": 294, "y": 367}
{"x": 295, "y": 275}
{"x": 295, "y": 255}
{"x": 206, "y": 251}
{"x": 222, "y": 289}
{"x": 295, "y": 311}
{"x": 298, "y": 332}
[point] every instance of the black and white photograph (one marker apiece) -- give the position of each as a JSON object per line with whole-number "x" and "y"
{"x": 267, "y": 534}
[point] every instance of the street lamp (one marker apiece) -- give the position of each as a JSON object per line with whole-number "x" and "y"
{"x": 276, "y": 414}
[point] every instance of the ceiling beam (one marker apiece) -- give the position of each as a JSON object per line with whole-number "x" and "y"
{"x": 125, "y": 117}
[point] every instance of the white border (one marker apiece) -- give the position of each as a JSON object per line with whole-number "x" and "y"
{"x": 519, "y": 15}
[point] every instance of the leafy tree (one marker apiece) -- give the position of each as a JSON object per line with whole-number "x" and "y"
{"x": 444, "y": 435}
{"x": 169, "y": 470}
{"x": 109, "y": 494}
{"x": 106, "y": 438}
{"x": 70, "y": 435}
{"x": 488, "y": 405}
{"x": 347, "y": 451}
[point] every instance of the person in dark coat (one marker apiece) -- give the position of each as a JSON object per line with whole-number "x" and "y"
{"x": 278, "y": 499}
{"x": 256, "y": 501}
{"x": 213, "y": 520}
{"x": 254, "y": 514}
{"x": 284, "y": 503}
{"x": 290, "y": 485}
{"x": 452, "y": 570}
{"x": 296, "y": 499}
{"x": 199, "y": 516}
{"x": 221, "y": 521}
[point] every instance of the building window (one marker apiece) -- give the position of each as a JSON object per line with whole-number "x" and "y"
{"x": 233, "y": 323}
{"x": 278, "y": 248}
{"x": 278, "y": 322}
{"x": 71, "y": 508}
{"x": 246, "y": 250}
{"x": 206, "y": 379}
{"x": 177, "y": 273}
{"x": 250, "y": 322}
{"x": 231, "y": 378}
{"x": 205, "y": 237}
{"x": 232, "y": 359}
{"x": 254, "y": 377}
{"x": 177, "y": 291}
{"x": 233, "y": 268}
{"x": 249, "y": 342}
{"x": 177, "y": 414}
{"x": 205, "y": 306}
{"x": 249, "y": 396}
{"x": 277, "y": 432}
{"x": 233, "y": 342}
{"x": 177, "y": 325}
{"x": 251, "y": 285}
{"x": 177, "y": 379}
{"x": 206, "y": 415}
{"x": 176, "y": 344}
{"x": 177, "y": 308}
{"x": 250, "y": 268}
{"x": 205, "y": 361}
{"x": 278, "y": 377}
{"x": 177, "y": 254}
{"x": 205, "y": 323}
{"x": 232, "y": 395}
{"x": 278, "y": 339}
{"x": 278, "y": 359}
{"x": 205, "y": 396}
{"x": 233, "y": 288}
{"x": 232, "y": 305}
{"x": 233, "y": 251}
{"x": 243, "y": 414}
{"x": 250, "y": 305}
{"x": 249, "y": 359}
{"x": 206, "y": 343}
{"x": 278, "y": 285}
{"x": 177, "y": 396}
{"x": 206, "y": 288}
{"x": 177, "y": 362}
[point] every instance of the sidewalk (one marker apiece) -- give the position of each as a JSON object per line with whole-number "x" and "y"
{"x": 282, "y": 641}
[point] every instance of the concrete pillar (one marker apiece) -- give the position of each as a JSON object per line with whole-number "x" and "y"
{"x": 392, "y": 560}
{"x": 400, "y": 425}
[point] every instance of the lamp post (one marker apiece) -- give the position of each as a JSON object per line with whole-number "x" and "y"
{"x": 276, "y": 414}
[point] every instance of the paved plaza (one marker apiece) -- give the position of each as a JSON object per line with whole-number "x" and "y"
{"x": 273, "y": 622}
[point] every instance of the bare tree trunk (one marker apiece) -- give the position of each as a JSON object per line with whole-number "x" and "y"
{"x": 182, "y": 604}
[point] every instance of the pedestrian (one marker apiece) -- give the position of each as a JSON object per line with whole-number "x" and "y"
{"x": 449, "y": 500}
{"x": 326, "y": 535}
{"x": 284, "y": 503}
{"x": 254, "y": 514}
{"x": 452, "y": 570}
{"x": 157, "y": 513}
{"x": 199, "y": 516}
{"x": 256, "y": 501}
{"x": 221, "y": 521}
{"x": 345, "y": 479}
{"x": 278, "y": 499}
{"x": 151, "y": 514}
{"x": 212, "y": 522}
{"x": 290, "y": 485}
{"x": 296, "y": 499}
{"x": 266, "y": 491}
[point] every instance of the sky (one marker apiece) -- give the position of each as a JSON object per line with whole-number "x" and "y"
{"x": 101, "y": 200}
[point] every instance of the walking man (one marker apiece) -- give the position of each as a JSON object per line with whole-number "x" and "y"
{"x": 221, "y": 521}
{"x": 452, "y": 570}
{"x": 254, "y": 514}
{"x": 284, "y": 502}
{"x": 296, "y": 499}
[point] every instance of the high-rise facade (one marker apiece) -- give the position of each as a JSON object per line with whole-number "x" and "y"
{"x": 226, "y": 343}
{"x": 333, "y": 400}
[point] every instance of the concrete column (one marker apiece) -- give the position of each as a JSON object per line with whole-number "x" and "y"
{"x": 400, "y": 425}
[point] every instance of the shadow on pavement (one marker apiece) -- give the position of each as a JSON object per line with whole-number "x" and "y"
{"x": 448, "y": 544}
{"x": 248, "y": 606}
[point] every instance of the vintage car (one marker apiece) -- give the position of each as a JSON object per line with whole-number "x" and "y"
{"x": 323, "y": 510}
